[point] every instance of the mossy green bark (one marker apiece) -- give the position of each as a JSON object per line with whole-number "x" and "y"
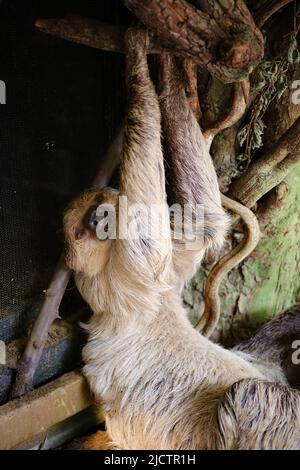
{"x": 277, "y": 259}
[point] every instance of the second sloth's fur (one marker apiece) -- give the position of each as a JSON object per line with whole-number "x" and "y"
{"x": 162, "y": 384}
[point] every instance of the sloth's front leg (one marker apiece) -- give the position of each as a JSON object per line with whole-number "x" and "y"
{"x": 142, "y": 179}
{"x": 191, "y": 178}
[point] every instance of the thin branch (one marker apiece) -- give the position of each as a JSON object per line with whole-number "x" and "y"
{"x": 268, "y": 9}
{"x": 238, "y": 108}
{"x": 211, "y": 315}
{"x": 48, "y": 313}
{"x": 54, "y": 293}
{"x": 110, "y": 161}
{"x": 260, "y": 177}
{"x": 190, "y": 69}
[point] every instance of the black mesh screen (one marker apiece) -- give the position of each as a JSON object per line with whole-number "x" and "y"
{"x": 64, "y": 102}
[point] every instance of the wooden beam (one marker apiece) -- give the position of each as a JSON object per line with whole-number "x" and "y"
{"x": 28, "y": 416}
{"x": 61, "y": 433}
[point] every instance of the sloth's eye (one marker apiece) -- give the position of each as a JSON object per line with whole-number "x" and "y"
{"x": 94, "y": 219}
{"x": 93, "y": 222}
{"x": 79, "y": 233}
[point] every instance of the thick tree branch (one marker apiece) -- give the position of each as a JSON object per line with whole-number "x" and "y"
{"x": 56, "y": 289}
{"x": 224, "y": 38}
{"x": 275, "y": 177}
{"x": 88, "y": 32}
{"x": 226, "y": 41}
{"x": 265, "y": 173}
{"x": 290, "y": 163}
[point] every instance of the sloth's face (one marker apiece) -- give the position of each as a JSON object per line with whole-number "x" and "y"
{"x": 85, "y": 226}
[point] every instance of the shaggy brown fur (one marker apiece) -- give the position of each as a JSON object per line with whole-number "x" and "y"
{"x": 162, "y": 384}
{"x": 98, "y": 441}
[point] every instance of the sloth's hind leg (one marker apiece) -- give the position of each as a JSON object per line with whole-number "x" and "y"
{"x": 276, "y": 343}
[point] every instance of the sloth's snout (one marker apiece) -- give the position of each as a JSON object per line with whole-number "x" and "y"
{"x": 91, "y": 219}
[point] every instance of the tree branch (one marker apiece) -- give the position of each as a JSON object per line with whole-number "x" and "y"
{"x": 238, "y": 108}
{"x": 48, "y": 313}
{"x": 56, "y": 289}
{"x": 265, "y": 173}
{"x": 191, "y": 87}
{"x": 268, "y": 9}
{"x": 224, "y": 38}
{"x": 211, "y": 315}
{"x": 227, "y": 44}
{"x": 89, "y": 32}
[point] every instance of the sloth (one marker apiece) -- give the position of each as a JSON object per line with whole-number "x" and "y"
{"x": 162, "y": 384}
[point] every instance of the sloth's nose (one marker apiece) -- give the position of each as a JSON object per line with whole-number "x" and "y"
{"x": 91, "y": 219}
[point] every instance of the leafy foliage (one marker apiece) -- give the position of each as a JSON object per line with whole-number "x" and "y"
{"x": 268, "y": 82}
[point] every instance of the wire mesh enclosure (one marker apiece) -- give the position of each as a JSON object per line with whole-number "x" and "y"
{"x": 63, "y": 105}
